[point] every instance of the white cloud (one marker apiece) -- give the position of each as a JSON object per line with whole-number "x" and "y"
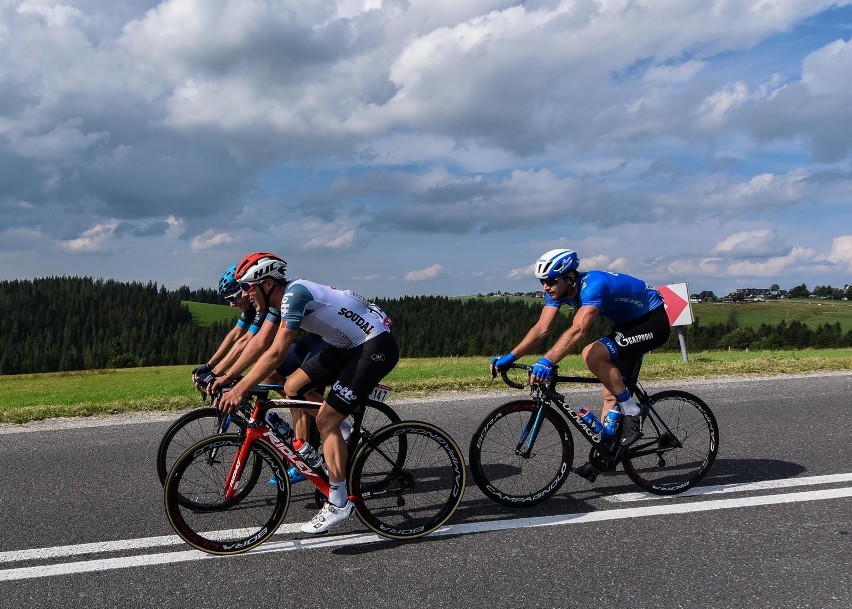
{"x": 424, "y": 274}
{"x": 210, "y": 239}
{"x": 841, "y": 252}
{"x": 93, "y": 240}
{"x": 176, "y": 226}
{"x": 337, "y": 235}
{"x": 785, "y": 266}
{"x": 826, "y": 71}
{"x": 761, "y": 243}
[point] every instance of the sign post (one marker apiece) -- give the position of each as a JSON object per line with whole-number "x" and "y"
{"x": 676, "y": 298}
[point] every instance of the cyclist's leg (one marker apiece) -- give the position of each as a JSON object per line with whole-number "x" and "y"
{"x": 364, "y": 367}
{"x": 626, "y": 343}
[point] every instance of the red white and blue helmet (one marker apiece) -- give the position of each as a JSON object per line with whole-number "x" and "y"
{"x": 228, "y": 283}
{"x": 556, "y": 263}
{"x": 259, "y": 265}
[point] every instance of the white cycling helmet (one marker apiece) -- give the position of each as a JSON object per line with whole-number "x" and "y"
{"x": 556, "y": 263}
{"x": 259, "y": 265}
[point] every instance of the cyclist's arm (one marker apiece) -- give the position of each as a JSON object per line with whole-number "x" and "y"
{"x": 537, "y": 333}
{"x": 226, "y": 362}
{"x": 228, "y": 342}
{"x": 573, "y": 336}
{"x": 254, "y": 349}
{"x": 267, "y": 363}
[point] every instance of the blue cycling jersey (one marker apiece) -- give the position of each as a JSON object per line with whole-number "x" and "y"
{"x": 620, "y": 298}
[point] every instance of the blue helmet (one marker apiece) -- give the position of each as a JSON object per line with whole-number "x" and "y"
{"x": 228, "y": 283}
{"x": 556, "y": 263}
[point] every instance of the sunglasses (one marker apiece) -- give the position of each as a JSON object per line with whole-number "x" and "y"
{"x": 246, "y": 287}
{"x": 233, "y": 297}
{"x": 550, "y": 282}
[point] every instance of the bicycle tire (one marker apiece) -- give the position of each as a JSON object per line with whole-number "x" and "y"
{"x": 511, "y": 479}
{"x": 417, "y": 498}
{"x": 679, "y": 444}
{"x": 209, "y": 521}
{"x": 185, "y": 431}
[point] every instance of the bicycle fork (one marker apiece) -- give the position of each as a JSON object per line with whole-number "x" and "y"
{"x": 530, "y": 432}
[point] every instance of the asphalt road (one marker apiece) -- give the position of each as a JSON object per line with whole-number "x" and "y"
{"x": 82, "y": 524}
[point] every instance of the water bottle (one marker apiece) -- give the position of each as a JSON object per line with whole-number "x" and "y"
{"x": 307, "y": 452}
{"x": 281, "y": 427}
{"x": 611, "y": 422}
{"x": 590, "y": 419}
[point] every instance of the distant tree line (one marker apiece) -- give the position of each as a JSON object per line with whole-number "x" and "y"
{"x": 72, "y": 323}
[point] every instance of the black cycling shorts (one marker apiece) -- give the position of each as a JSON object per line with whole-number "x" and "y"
{"x": 352, "y": 373}
{"x": 628, "y": 342}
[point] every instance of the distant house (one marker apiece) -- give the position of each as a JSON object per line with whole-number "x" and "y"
{"x": 702, "y": 296}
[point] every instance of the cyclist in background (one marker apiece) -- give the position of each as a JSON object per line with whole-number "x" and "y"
{"x": 361, "y": 352}
{"x": 247, "y": 326}
{"x": 636, "y": 309}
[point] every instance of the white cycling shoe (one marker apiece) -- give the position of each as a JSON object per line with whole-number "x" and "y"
{"x": 330, "y": 515}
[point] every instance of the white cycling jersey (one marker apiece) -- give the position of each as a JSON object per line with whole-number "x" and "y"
{"x": 341, "y": 317}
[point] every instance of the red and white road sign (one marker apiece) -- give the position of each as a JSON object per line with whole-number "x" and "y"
{"x": 676, "y": 297}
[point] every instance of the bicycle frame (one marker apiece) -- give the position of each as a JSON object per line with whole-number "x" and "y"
{"x": 548, "y": 397}
{"x": 257, "y": 429}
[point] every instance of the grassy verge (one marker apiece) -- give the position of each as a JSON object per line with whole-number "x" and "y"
{"x": 30, "y": 397}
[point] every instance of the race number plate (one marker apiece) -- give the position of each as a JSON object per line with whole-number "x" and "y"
{"x": 380, "y": 393}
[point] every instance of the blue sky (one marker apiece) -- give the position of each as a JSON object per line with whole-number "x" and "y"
{"x": 428, "y": 147}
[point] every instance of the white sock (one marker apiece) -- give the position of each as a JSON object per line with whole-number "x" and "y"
{"x": 338, "y": 494}
{"x": 628, "y": 404}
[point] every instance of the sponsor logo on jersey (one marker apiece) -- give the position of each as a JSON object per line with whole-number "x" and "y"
{"x": 359, "y": 321}
{"x": 637, "y": 303}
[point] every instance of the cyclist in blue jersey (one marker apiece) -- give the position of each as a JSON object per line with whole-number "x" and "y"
{"x": 636, "y": 309}
{"x": 247, "y": 326}
{"x": 360, "y": 352}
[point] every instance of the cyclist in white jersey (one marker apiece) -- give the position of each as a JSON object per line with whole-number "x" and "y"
{"x": 361, "y": 351}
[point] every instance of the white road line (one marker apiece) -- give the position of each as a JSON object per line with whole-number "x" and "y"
{"x": 736, "y": 488}
{"x": 460, "y": 529}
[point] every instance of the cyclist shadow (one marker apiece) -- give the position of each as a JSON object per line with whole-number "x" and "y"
{"x": 578, "y": 495}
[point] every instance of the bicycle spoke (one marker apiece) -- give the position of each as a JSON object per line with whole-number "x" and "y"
{"x": 410, "y": 493}
{"x": 196, "y": 504}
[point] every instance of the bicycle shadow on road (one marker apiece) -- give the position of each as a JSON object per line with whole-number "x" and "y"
{"x": 739, "y": 471}
{"x": 579, "y": 496}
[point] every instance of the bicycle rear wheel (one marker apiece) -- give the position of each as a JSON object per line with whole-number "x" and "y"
{"x": 412, "y": 499}
{"x": 679, "y": 444}
{"x": 196, "y": 505}
{"x": 503, "y": 472}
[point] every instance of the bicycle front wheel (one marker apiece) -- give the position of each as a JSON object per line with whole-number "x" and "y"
{"x": 183, "y": 433}
{"x": 679, "y": 444}
{"x": 404, "y": 496}
{"x": 504, "y": 470}
{"x": 196, "y": 505}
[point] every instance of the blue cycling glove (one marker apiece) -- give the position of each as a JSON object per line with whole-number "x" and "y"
{"x": 542, "y": 369}
{"x": 503, "y": 362}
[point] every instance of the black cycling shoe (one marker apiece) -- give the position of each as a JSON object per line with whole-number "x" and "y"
{"x": 631, "y": 429}
{"x": 586, "y": 471}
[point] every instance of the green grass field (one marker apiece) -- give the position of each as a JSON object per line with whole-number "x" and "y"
{"x": 205, "y": 314}
{"x": 752, "y": 314}
{"x": 30, "y": 397}
{"x": 811, "y": 312}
